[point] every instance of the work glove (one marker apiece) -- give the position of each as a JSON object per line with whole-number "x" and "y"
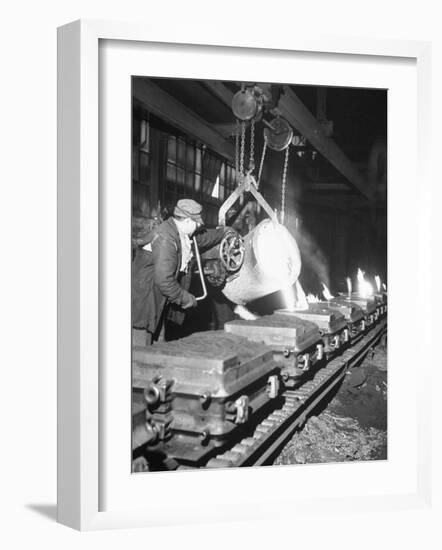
{"x": 230, "y": 231}
{"x": 189, "y": 301}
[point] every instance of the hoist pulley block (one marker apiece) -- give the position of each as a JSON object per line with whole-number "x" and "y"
{"x": 245, "y": 106}
{"x": 278, "y": 134}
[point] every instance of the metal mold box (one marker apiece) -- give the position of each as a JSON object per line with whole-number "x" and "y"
{"x": 329, "y": 321}
{"x": 368, "y": 304}
{"x": 350, "y": 310}
{"x": 280, "y": 332}
{"x": 202, "y": 387}
{"x": 206, "y": 361}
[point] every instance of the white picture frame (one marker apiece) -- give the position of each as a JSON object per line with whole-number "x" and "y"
{"x": 82, "y": 296}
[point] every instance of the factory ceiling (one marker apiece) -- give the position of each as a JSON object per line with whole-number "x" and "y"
{"x": 339, "y": 133}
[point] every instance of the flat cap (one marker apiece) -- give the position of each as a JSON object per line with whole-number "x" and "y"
{"x": 188, "y": 208}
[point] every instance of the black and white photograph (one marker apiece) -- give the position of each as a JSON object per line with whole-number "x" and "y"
{"x": 259, "y": 274}
{"x": 221, "y": 276}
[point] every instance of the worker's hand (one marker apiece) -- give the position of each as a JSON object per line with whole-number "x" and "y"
{"x": 230, "y": 231}
{"x": 189, "y": 301}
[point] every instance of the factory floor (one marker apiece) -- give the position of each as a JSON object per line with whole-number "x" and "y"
{"x": 352, "y": 425}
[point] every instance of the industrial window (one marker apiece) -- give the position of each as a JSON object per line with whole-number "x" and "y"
{"x": 141, "y": 163}
{"x": 225, "y": 182}
{"x": 194, "y": 171}
{"x": 141, "y": 151}
{"x": 183, "y": 167}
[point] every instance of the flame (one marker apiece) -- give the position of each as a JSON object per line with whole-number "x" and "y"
{"x": 384, "y": 286}
{"x": 364, "y": 287}
{"x": 312, "y": 299}
{"x": 326, "y": 292}
{"x": 349, "y": 286}
{"x": 378, "y": 282}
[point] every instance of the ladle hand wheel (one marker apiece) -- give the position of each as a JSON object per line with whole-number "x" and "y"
{"x": 231, "y": 251}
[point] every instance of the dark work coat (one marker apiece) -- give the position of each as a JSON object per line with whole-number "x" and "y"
{"x": 156, "y": 275}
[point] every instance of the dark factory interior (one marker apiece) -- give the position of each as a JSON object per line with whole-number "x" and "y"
{"x": 292, "y": 182}
{"x": 336, "y": 179}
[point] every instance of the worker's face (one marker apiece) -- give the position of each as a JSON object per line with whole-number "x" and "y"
{"x": 191, "y": 226}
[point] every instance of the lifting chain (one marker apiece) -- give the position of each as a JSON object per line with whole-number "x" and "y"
{"x": 261, "y": 164}
{"x": 241, "y": 157}
{"x": 237, "y": 151}
{"x": 284, "y": 180}
{"x": 252, "y": 146}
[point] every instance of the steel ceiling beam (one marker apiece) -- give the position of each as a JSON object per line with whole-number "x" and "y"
{"x": 344, "y": 204}
{"x": 333, "y": 186}
{"x": 163, "y": 105}
{"x": 295, "y": 112}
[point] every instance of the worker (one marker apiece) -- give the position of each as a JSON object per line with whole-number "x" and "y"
{"x": 160, "y": 271}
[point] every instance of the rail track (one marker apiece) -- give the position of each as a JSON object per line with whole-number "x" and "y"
{"x": 273, "y": 432}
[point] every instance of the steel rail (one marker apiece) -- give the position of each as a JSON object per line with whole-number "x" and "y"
{"x": 273, "y": 432}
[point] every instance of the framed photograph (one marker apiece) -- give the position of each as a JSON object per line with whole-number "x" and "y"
{"x": 232, "y": 215}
